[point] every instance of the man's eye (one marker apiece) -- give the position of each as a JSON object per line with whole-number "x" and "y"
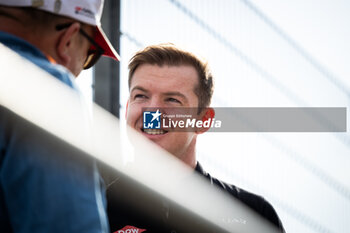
{"x": 140, "y": 96}
{"x": 173, "y": 100}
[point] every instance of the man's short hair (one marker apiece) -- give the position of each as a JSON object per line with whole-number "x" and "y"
{"x": 169, "y": 54}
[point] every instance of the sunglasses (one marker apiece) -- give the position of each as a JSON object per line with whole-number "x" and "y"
{"x": 95, "y": 51}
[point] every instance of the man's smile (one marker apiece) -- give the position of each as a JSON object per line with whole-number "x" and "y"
{"x": 154, "y": 131}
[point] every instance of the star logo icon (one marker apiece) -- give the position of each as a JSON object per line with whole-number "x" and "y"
{"x": 156, "y": 115}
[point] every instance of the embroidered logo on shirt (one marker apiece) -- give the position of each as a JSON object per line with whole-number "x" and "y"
{"x": 130, "y": 229}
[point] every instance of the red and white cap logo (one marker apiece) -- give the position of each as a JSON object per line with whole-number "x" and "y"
{"x": 130, "y": 229}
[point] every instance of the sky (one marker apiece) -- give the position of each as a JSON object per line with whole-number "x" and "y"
{"x": 263, "y": 54}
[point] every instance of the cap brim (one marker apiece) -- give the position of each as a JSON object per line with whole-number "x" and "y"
{"x": 102, "y": 40}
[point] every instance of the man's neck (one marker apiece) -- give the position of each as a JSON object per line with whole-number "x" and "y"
{"x": 39, "y": 40}
{"x": 12, "y": 27}
{"x": 189, "y": 157}
{"x": 190, "y": 161}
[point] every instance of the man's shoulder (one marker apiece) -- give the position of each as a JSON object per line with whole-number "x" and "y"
{"x": 253, "y": 201}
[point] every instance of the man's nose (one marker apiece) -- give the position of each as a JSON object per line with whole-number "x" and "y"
{"x": 156, "y": 103}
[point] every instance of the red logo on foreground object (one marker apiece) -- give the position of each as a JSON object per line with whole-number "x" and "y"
{"x": 130, "y": 229}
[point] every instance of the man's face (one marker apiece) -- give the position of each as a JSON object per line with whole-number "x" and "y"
{"x": 159, "y": 87}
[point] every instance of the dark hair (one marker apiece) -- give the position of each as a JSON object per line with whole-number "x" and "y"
{"x": 169, "y": 54}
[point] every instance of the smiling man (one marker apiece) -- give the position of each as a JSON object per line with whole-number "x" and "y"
{"x": 165, "y": 87}
{"x": 164, "y": 76}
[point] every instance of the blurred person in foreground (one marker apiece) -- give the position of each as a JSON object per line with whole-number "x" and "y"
{"x": 164, "y": 76}
{"x": 44, "y": 185}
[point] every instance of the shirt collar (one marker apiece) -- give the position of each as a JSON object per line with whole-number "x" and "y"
{"x": 19, "y": 45}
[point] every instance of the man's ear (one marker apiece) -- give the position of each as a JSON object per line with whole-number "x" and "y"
{"x": 209, "y": 114}
{"x": 65, "y": 42}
